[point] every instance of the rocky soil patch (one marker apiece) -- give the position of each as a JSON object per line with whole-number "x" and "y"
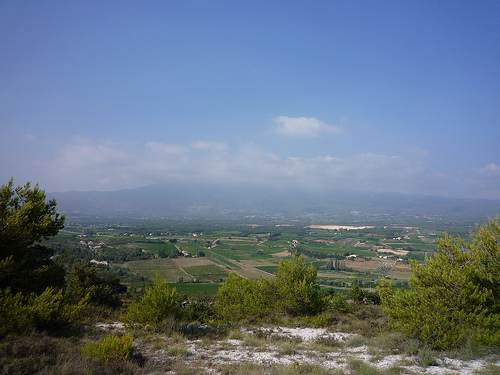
{"x": 292, "y": 347}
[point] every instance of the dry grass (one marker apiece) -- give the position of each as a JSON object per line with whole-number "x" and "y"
{"x": 239, "y": 350}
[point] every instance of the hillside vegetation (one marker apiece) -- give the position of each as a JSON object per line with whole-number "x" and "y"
{"x": 172, "y": 289}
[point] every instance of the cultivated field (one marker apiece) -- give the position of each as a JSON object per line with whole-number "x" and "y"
{"x": 254, "y": 251}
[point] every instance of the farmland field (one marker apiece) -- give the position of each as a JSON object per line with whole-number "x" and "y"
{"x": 208, "y": 256}
{"x": 166, "y": 267}
{"x": 270, "y": 269}
{"x": 207, "y": 273}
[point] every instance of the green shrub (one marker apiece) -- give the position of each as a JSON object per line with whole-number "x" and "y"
{"x": 295, "y": 292}
{"x": 110, "y": 348}
{"x": 455, "y": 296}
{"x": 48, "y": 311}
{"x": 240, "y": 298}
{"x": 318, "y": 321}
{"x": 357, "y": 366}
{"x": 297, "y": 288}
{"x": 198, "y": 308}
{"x": 338, "y": 303}
{"x": 102, "y": 290}
{"x": 356, "y": 293}
{"x": 25, "y": 219}
{"x": 158, "y": 304}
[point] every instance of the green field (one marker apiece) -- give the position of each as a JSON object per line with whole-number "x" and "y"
{"x": 252, "y": 251}
{"x": 208, "y": 272}
{"x": 196, "y": 288}
{"x": 164, "y": 266}
{"x": 270, "y": 269}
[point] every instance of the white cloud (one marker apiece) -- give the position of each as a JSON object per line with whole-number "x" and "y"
{"x": 167, "y": 148}
{"x": 491, "y": 170}
{"x": 303, "y": 127}
{"x": 93, "y": 155}
{"x": 209, "y": 146}
{"x": 86, "y": 164}
{"x": 485, "y": 183}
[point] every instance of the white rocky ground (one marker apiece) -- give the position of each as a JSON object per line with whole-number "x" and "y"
{"x": 295, "y": 346}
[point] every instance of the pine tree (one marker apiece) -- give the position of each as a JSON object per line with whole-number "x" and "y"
{"x": 455, "y": 296}
{"x": 158, "y": 303}
{"x": 297, "y": 287}
{"x": 25, "y": 219}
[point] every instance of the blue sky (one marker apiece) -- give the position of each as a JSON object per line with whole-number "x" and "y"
{"x": 394, "y": 96}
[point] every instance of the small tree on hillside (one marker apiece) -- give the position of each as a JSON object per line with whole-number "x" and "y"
{"x": 295, "y": 291}
{"x": 297, "y": 287}
{"x": 455, "y": 296}
{"x": 28, "y": 300}
{"x": 240, "y": 298}
{"x": 356, "y": 293}
{"x": 25, "y": 219}
{"x": 159, "y": 303}
{"x": 85, "y": 281}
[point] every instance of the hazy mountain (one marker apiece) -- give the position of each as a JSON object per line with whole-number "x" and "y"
{"x": 210, "y": 201}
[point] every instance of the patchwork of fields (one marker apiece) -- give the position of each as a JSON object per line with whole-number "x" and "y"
{"x": 364, "y": 257}
{"x": 342, "y": 254}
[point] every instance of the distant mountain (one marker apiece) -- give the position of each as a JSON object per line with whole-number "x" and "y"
{"x": 215, "y": 201}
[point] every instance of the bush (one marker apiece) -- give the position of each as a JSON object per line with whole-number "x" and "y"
{"x": 297, "y": 288}
{"x": 295, "y": 292}
{"x": 338, "y": 303}
{"x": 455, "y": 296}
{"x": 102, "y": 290}
{"x": 48, "y": 311}
{"x": 158, "y": 304}
{"x": 356, "y": 294}
{"x": 198, "y": 308}
{"x": 319, "y": 321}
{"x": 25, "y": 219}
{"x": 240, "y": 298}
{"x": 110, "y": 348}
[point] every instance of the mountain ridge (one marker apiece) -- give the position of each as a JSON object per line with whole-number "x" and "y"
{"x": 169, "y": 200}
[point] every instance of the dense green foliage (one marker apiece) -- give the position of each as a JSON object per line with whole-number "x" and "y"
{"x": 85, "y": 281}
{"x": 110, "y": 348}
{"x": 455, "y": 296}
{"x": 33, "y": 296}
{"x": 240, "y": 298}
{"x": 295, "y": 291}
{"x": 28, "y": 276}
{"x": 49, "y": 311}
{"x": 158, "y": 303}
{"x": 25, "y": 219}
{"x": 297, "y": 288}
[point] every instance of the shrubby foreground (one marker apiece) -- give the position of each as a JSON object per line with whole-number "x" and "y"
{"x": 455, "y": 296}
{"x": 454, "y": 302}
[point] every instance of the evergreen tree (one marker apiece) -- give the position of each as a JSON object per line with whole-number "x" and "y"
{"x": 25, "y": 219}
{"x": 85, "y": 281}
{"x": 158, "y": 303}
{"x": 455, "y": 296}
{"x": 297, "y": 287}
{"x": 295, "y": 291}
{"x": 356, "y": 293}
{"x": 240, "y": 298}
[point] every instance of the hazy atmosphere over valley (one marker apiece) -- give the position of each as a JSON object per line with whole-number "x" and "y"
{"x": 316, "y": 97}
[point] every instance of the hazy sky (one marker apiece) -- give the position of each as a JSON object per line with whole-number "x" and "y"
{"x": 399, "y": 96}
